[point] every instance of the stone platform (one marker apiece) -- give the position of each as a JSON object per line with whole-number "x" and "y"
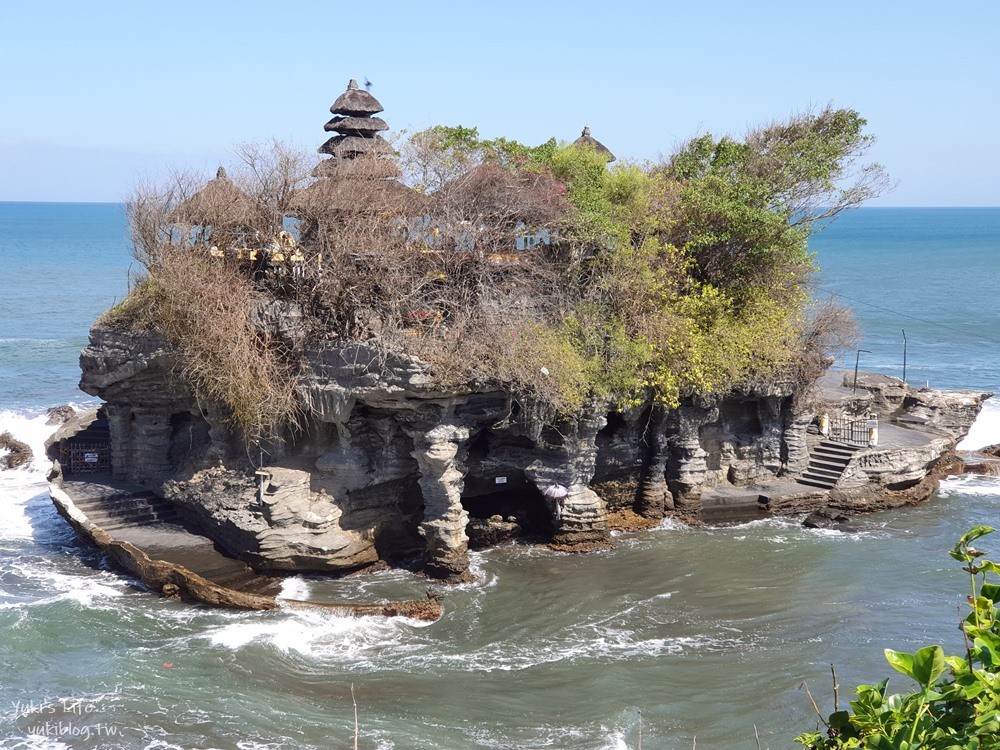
{"x": 145, "y": 535}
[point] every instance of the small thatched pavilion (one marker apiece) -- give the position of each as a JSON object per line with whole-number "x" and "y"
{"x": 220, "y": 204}
{"x": 586, "y": 139}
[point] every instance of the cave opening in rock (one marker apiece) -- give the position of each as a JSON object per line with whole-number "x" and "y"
{"x": 615, "y": 428}
{"x": 502, "y": 503}
{"x": 189, "y": 437}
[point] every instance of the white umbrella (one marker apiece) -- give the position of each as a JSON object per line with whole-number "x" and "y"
{"x": 556, "y": 492}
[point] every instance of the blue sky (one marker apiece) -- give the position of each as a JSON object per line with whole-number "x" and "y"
{"x": 96, "y": 95}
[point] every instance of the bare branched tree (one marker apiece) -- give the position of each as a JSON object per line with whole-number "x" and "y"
{"x": 271, "y": 173}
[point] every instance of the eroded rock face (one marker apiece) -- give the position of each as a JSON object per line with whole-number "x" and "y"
{"x": 948, "y": 412}
{"x": 59, "y": 415}
{"x": 894, "y": 467}
{"x": 390, "y": 466}
{"x": 440, "y": 454}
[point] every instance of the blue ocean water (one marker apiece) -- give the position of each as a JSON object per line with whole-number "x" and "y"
{"x": 708, "y": 632}
{"x": 63, "y": 265}
{"x": 928, "y": 272}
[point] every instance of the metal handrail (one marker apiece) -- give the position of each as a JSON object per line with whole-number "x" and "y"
{"x": 851, "y": 430}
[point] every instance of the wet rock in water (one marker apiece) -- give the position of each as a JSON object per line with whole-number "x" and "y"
{"x": 13, "y": 453}
{"x": 829, "y": 519}
{"x": 60, "y": 414}
{"x": 489, "y": 532}
{"x": 984, "y": 461}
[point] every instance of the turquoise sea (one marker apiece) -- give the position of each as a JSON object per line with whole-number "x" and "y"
{"x": 681, "y": 636}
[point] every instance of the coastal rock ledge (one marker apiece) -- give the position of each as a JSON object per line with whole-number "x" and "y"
{"x": 388, "y": 466}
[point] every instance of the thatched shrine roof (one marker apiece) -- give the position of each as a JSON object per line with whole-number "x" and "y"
{"x": 586, "y": 139}
{"x": 339, "y": 195}
{"x": 359, "y": 125}
{"x": 356, "y": 102}
{"x": 352, "y": 145}
{"x": 220, "y": 203}
{"x": 372, "y": 168}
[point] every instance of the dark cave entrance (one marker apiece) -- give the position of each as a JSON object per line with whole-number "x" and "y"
{"x": 189, "y": 438}
{"x": 502, "y": 503}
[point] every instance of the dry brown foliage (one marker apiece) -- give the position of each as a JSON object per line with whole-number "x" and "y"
{"x": 205, "y": 310}
{"x": 830, "y": 329}
{"x": 462, "y": 278}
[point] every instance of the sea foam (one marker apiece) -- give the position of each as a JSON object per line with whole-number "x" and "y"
{"x": 31, "y": 429}
{"x": 986, "y": 429}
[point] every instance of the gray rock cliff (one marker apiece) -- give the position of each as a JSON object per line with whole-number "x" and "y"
{"x": 390, "y": 466}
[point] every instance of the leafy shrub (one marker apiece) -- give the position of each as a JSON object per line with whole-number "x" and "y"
{"x": 957, "y": 704}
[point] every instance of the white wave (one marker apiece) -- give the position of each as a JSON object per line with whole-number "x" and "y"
{"x": 669, "y": 523}
{"x": 970, "y": 484}
{"x": 14, "y": 521}
{"x": 986, "y": 429}
{"x": 615, "y": 740}
{"x": 589, "y": 644}
{"x": 295, "y": 587}
{"x": 30, "y": 429}
{"x": 33, "y": 581}
{"x": 317, "y": 635}
{"x": 38, "y": 742}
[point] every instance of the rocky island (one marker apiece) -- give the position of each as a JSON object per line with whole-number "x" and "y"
{"x": 510, "y": 343}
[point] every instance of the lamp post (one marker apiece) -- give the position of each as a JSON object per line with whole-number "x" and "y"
{"x": 904, "y": 355}
{"x": 857, "y": 360}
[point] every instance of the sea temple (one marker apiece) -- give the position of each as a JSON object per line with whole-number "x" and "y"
{"x": 347, "y": 369}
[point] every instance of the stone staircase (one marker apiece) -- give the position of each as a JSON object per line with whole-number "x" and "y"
{"x": 120, "y": 511}
{"x": 826, "y": 464}
{"x": 135, "y": 515}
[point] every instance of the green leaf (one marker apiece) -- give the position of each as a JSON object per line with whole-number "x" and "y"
{"x": 988, "y": 566}
{"x": 990, "y": 591}
{"x": 928, "y": 665}
{"x": 975, "y": 532}
{"x": 840, "y": 719}
{"x": 900, "y": 661}
{"x": 880, "y": 742}
{"x": 957, "y": 664}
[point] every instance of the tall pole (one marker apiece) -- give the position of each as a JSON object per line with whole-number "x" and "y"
{"x": 857, "y": 360}
{"x": 904, "y": 355}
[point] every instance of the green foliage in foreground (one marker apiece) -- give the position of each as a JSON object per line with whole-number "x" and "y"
{"x": 957, "y": 703}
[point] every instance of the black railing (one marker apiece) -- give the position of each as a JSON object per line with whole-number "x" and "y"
{"x": 92, "y": 457}
{"x": 851, "y": 430}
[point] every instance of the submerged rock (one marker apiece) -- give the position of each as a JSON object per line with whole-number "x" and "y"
{"x": 829, "y": 519}
{"x": 13, "y": 453}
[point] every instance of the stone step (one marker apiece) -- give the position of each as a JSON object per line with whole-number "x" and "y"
{"x": 104, "y": 514}
{"x": 813, "y": 481}
{"x": 833, "y": 455}
{"x": 821, "y": 472}
{"x": 842, "y": 448}
{"x": 823, "y": 461}
{"x": 144, "y": 519}
{"x": 124, "y": 506}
